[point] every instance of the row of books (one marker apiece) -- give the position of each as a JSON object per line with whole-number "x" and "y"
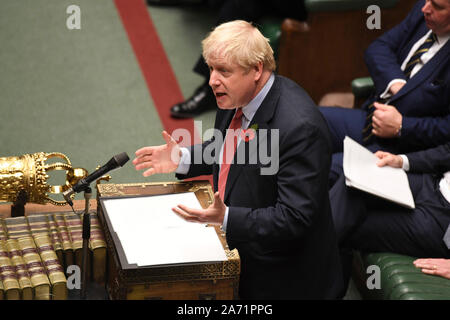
{"x": 65, "y": 233}
{"x": 30, "y": 269}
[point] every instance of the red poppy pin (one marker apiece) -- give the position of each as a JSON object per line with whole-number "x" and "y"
{"x": 250, "y": 133}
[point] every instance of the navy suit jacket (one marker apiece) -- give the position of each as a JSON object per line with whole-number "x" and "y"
{"x": 281, "y": 224}
{"x": 424, "y": 101}
{"x": 435, "y": 160}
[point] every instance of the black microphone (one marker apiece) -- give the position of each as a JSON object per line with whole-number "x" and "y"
{"x": 116, "y": 161}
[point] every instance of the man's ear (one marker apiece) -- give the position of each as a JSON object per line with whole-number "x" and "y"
{"x": 258, "y": 68}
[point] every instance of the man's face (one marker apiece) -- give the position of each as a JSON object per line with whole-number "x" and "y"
{"x": 232, "y": 85}
{"x": 437, "y": 16}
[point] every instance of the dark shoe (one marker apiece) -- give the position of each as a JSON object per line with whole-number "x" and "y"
{"x": 202, "y": 100}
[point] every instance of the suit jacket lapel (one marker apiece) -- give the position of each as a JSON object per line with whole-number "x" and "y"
{"x": 417, "y": 33}
{"x": 262, "y": 116}
{"x": 426, "y": 71}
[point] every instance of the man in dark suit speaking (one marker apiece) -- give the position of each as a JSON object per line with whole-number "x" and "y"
{"x": 276, "y": 213}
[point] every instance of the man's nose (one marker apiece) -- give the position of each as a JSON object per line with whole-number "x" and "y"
{"x": 213, "y": 80}
{"x": 426, "y": 7}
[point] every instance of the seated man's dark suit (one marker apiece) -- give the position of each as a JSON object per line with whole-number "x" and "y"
{"x": 424, "y": 101}
{"x": 371, "y": 224}
{"x": 281, "y": 223}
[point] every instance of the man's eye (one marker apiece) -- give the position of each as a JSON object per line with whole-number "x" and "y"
{"x": 436, "y": 6}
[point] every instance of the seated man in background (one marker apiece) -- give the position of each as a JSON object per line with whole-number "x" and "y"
{"x": 279, "y": 220}
{"x": 410, "y": 67}
{"x": 371, "y": 224}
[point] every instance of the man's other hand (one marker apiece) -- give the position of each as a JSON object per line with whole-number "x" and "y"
{"x": 214, "y": 214}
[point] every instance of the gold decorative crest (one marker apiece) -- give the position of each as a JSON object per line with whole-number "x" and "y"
{"x": 29, "y": 173}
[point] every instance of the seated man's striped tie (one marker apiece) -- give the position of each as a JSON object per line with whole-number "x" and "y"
{"x": 415, "y": 58}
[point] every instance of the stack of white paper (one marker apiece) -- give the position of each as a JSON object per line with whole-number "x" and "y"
{"x": 152, "y": 234}
{"x": 362, "y": 172}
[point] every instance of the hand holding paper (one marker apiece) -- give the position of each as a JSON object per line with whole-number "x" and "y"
{"x": 389, "y": 159}
{"x": 362, "y": 172}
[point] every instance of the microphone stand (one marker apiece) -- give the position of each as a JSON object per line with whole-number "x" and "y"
{"x": 86, "y": 237}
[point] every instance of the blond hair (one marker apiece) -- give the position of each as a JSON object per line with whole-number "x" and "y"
{"x": 239, "y": 42}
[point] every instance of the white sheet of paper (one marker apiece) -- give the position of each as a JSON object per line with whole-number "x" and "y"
{"x": 152, "y": 234}
{"x": 362, "y": 172}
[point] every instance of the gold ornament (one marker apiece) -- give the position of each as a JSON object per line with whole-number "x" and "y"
{"x": 29, "y": 173}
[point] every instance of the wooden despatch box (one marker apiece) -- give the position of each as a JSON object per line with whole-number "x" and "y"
{"x": 185, "y": 281}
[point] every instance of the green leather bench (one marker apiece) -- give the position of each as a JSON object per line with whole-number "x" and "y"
{"x": 362, "y": 88}
{"x": 399, "y": 279}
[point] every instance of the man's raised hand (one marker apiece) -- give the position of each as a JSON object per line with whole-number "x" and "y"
{"x": 158, "y": 159}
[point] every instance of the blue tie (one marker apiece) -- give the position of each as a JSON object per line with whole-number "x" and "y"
{"x": 415, "y": 58}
